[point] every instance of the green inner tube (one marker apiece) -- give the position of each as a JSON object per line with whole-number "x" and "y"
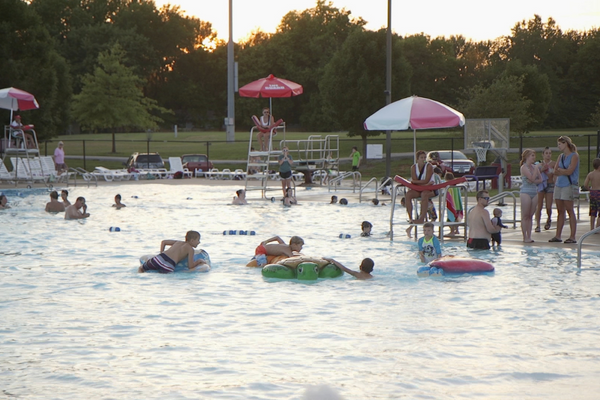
{"x": 306, "y": 271}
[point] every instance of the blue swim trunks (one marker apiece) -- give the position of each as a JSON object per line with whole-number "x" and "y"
{"x": 160, "y": 263}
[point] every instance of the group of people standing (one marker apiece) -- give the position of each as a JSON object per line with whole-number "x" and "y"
{"x": 545, "y": 181}
{"x": 550, "y": 181}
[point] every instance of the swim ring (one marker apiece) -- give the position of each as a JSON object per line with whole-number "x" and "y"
{"x": 302, "y": 268}
{"x": 454, "y": 265}
{"x": 270, "y": 260}
{"x": 183, "y": 264}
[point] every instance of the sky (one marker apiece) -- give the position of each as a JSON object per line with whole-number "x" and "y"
{"x": 474, "y": 19}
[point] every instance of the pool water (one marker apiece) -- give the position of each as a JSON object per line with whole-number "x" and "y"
{"x": 78, "y": 321}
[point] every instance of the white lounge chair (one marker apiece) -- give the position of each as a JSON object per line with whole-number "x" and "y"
{"x": 213, "y": 174}
{"x": 239, "y": 174}
{"x": 175, "y": 166}
{"x": 110, "y": 175}
{"x": 226, "y": 174}
{"x": 5, "y": 175}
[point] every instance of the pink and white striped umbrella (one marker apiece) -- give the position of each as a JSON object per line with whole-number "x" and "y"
{"x": 414, "y": 113}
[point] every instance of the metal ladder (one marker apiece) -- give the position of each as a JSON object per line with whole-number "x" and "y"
{"x": 259, "y": 163}
{"x": 441, "y": 222}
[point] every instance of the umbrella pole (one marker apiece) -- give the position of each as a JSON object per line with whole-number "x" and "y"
{"x": 271, "y": 106}
{"x": 415, "y": 145}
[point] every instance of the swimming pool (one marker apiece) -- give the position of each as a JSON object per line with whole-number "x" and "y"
{"x": 79, "y": 322}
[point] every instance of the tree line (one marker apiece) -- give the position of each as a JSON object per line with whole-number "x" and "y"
{"x": 78, "y": 56}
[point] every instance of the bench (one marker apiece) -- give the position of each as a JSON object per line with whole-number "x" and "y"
{"x": 482, "y": 174}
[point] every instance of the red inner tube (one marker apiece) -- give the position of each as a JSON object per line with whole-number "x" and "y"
{"x": 456, "y": 264}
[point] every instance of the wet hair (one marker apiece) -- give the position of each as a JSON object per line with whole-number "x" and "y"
{"x": 118, "y": 197}
{"x": 596, "y": 163}
{"x": 191, "y": 235}
{"x": 296, "y": 240}
{"x": 54, "y": 195}
{"x": 497, "y": 211}
{"x": 65, "y": 192}
{"x": 428, "y": 225}
{"x": 367, "y": 265}
{"x": 449, "y": 176}
{"x": 343, "y": 202}
{"x": 526, "y": 153}
{"x": 569, "y": 142}
{"x": 238, "y": 192}
{"x": 419, "y": 153}
{"x": 80, "y": 198}
{"x": 3, "y": 196}
{"x": 333, "y": 199}
{"x": 375, "y": 202}
{"x": 366, "y": 224}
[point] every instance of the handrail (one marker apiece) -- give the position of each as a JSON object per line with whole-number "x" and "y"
{"x": 87, "y": 176}
{"x": 580, "y": 243}
{"x": 354, "y": 174}
{"x": 365, "y": 186}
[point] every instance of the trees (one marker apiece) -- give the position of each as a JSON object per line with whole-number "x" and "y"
{"x": 502, "y": 99}
{"x": 304, "y": 43}
{"x": 353, "y": 82}
{"x": 30, "y": 62}
{"x": 112, "y": 97}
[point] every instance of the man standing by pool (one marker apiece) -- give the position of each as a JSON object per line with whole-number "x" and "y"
{"x": 480, "y": 224}
{"x": 72, "y": 211}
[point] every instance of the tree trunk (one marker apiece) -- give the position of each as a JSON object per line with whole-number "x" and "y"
{"x": 114, "y": 145}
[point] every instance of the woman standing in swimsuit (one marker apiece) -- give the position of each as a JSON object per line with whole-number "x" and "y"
{"x": 566, "y": 187}
{"x": 531, "y": 177}
{"x": 545, "y": 190}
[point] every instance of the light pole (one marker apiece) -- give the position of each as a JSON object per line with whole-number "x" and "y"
{"x": 388, "y": 90}
{"x": 230, "y": 120}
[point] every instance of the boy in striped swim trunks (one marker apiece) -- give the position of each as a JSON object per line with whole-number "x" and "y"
{"x": 166, "y": 261}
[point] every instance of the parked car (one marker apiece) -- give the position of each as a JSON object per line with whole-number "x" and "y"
{"x": 451, "y": 161}
{"x": 194, "y": 162}
{"x": 145, "y": 161}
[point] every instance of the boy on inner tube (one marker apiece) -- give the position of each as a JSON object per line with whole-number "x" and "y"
{"x": 266, "y": 248}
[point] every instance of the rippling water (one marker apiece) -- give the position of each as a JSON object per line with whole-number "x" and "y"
{"x": 78, "y": 322}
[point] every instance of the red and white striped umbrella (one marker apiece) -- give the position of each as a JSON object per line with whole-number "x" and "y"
{"x": 17, "y": 99}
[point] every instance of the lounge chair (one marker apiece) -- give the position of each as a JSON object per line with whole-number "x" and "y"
{"x": 213, "y": 174}
{"x": 110, "y": 175}
{"x": 176, "y": 165}
{"x": 5, "y": 175}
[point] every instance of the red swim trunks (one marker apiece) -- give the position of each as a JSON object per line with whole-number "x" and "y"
{"x": 260, "y": 250}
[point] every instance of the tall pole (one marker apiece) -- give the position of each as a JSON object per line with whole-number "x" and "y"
{"x": 230, "y": 121}
{"x": 388, "y": 91}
